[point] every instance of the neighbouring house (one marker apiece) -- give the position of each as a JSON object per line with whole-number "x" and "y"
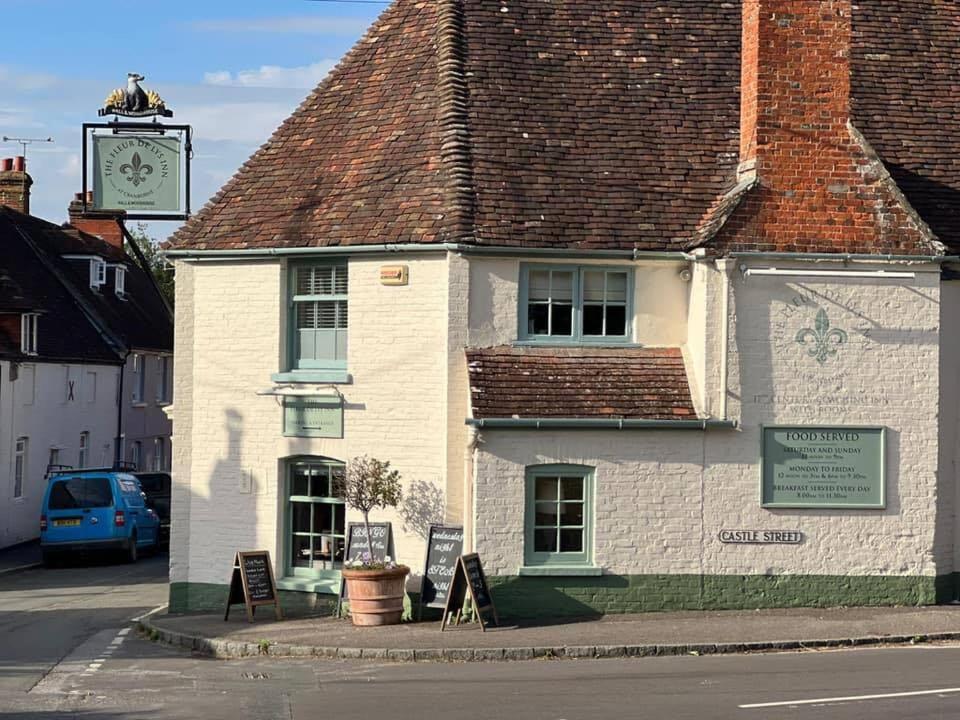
{"x": 651, "y": 296}
{"x": 78, "y": 318}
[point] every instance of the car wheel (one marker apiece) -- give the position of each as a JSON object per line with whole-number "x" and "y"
{"x": 132, "y": 550}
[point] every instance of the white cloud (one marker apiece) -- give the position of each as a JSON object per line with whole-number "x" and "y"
{"x": 272, "y": 76}
{"x": 249, "y": 123}
{"x": 301, "y": 25}
{"x": 71, "y": 167}
{"x": 20, "y": 80}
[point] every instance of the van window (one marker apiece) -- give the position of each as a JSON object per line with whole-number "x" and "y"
{"x": 81, "y": 492}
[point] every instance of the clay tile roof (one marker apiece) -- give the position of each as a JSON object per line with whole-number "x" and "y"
{"x": 628, "y": 383}
{"x": 565, "y": 123}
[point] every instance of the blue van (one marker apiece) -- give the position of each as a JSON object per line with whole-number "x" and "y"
{"x": 96, "y": 510}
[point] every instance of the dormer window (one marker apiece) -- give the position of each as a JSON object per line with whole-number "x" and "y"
{"x": 120, "y": 282}
{"x": 28, "y": 333}
{"x": 98, "y": 273}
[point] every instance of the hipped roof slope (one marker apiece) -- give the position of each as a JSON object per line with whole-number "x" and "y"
{"x": 561, "y": 123}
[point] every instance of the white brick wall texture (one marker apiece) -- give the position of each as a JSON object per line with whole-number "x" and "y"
{"x": 230, "y": 341}
{"x": 663, "y": 497}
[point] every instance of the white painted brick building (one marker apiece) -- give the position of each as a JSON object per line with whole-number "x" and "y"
{"x": 645, "y": 352}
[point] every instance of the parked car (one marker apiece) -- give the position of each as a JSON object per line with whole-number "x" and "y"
{"x": 157, "y": 487}
{"x": 96, "y": 510}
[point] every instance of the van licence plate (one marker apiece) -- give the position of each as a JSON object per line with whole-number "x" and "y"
{"x": 67, "y": 523}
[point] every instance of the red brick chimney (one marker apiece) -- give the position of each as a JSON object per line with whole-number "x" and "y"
{"x": 821, "y": 186}
{"x": 105, "y": 224}
{"x": 15, "y": 184}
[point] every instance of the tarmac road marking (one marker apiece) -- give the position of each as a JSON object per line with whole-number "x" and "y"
{"x": 851, "y": 698}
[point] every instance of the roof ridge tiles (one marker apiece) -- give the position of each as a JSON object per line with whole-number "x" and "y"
{"x": 454, "y": 100}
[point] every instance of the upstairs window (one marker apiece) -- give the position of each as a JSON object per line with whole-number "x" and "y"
{"x": 163, "y": 379}
{"x": 318, "y": 316}
{"x": 120, "y": 282}
{"x": 98, "y": 273}
{"x": 28, "y": 333}
{"x": 138, "y": 378}
{"x": 575, "y": 304}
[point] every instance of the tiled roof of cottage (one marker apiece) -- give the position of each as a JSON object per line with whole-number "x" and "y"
{"x": 64, "y": 332}
{"x": 38, "y": 278}
{"x": 627, "y": 383}
{"x": 562, "y": 123}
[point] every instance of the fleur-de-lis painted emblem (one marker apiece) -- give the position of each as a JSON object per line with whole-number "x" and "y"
{"x": 137, "y": 170}
{"x": 822, "y": 341}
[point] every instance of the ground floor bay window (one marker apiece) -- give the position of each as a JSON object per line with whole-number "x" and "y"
{"x": 314, "y": 525}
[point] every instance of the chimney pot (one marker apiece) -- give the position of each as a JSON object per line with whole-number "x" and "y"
{"x": 20, "y": 164}
{"x": 89, "y": 197}
{"x": 7, "y": 165}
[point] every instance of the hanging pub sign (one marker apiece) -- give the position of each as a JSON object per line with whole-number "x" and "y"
{"x": 823, "y": 467}
{"x": 142, "y": 168}
{"x": 138, "y": 173}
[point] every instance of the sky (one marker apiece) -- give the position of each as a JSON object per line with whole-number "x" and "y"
{"x": 231, "y": 69}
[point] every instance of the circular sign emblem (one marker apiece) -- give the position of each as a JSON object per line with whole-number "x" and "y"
{"x": 138, "y": 173}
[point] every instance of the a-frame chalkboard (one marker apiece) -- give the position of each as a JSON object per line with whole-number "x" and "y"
{"x": 253, "y": 584}
{"x": 357, "y": 547}
{"x": 469, "y": 577}
{"x": 444, "y": 547}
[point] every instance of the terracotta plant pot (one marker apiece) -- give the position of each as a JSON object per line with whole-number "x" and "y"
{"x": 376, "y": 596}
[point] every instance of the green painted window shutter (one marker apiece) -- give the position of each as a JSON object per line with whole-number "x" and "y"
{"x": 319, "y": 315}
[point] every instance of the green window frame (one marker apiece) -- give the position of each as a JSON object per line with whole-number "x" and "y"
{"x": 314, "y": 527}
{"x": 576, "y": 304}
{"x": 558, "y": 523}
{"x": 318, "y": 316}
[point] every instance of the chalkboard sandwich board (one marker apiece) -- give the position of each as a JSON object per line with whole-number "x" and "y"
{"x": 469, "y": 577}
{"x": 253, "y": 584}
{"x": 379, "y": 547}
{"x": 444, "y": 547}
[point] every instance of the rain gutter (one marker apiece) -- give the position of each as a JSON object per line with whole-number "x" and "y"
{"x": 845, "y": 257}
{"x": 599, "y": 424}
{"x": 465, "y": 249}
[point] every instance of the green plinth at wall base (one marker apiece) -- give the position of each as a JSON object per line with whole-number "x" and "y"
{"x": 525, "y": 597}
{"x": 208, "y": 597}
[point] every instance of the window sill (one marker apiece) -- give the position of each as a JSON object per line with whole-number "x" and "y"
{"x": 559, "y": 571}
{"x": 313, "y": 376}
{"x": 323, "y": 586}
{"x": 138, "y": 404}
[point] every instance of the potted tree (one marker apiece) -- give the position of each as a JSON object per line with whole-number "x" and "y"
{"x": 375, "y": 587}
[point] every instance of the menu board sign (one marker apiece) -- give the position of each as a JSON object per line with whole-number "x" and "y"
{"x": 823, "y": 467}
{"x": 444, "y": 546}
{"x": 252, "y": 583}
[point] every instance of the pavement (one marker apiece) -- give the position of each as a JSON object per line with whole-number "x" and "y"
{"x": 680, "y": 633}
{"x": 20, "y": 557}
